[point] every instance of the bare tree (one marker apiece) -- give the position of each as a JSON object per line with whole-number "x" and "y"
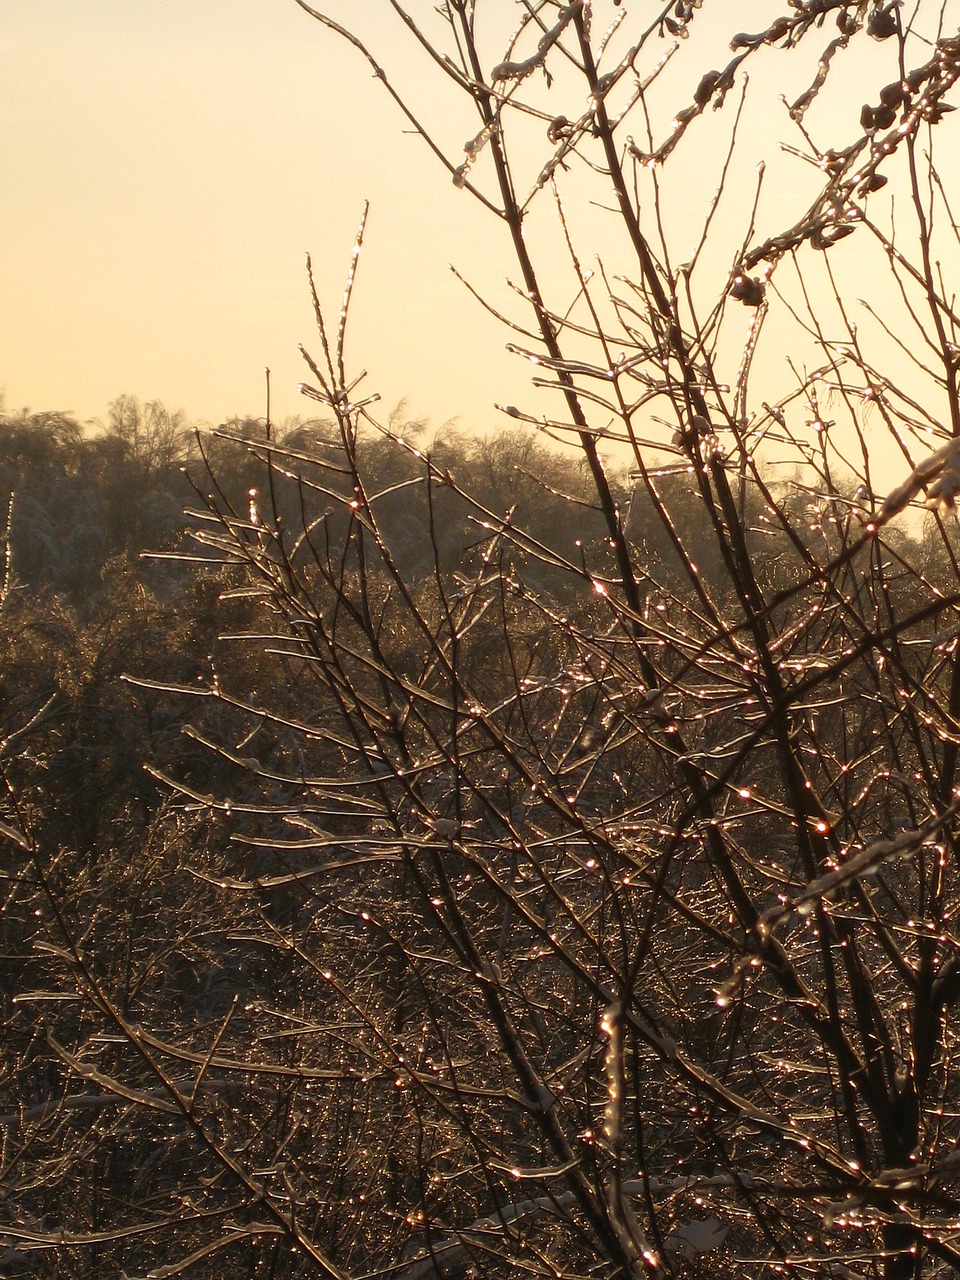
{"x": 593, "y": 900}
{"x": 148, "y": 434}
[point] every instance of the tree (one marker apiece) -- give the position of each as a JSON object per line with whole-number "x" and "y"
{"x": 148, "y": 434}
{"x": 611, "y": 936}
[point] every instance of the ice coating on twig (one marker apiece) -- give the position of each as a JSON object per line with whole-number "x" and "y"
{"x": 520, "y": 70}
{"x": 471, "y": 150}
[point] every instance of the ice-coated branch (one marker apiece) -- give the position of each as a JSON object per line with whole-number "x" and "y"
{"x": 938, "y": 474}
{"x": 518, "y": 71}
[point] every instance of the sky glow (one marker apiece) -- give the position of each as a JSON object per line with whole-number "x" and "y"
{"x": 168, "y": 165}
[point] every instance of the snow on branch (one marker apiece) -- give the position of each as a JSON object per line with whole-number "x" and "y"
{"x": 939, "y": 474}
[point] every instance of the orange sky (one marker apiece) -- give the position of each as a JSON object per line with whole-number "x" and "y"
{"x": 167, "y": 163}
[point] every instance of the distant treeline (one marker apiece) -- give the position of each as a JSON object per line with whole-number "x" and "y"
{"x": 99, "y": 517}
{"x": 85, "y": 495}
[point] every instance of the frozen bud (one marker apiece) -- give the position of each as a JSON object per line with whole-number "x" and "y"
{"x": 873, "y": 183}
{"x": 706, "y": 88}
{"x": 823, "y": 237}
{"x": 891, "y": 95}
{"x": 868, "y": 117}
{"x": 748, "y": 290}
{"x": 559, "y": 128}
{"x": 777, "y": 31}
{"x": 936, "y": 111}
{"x": 885, "y": 116}
{"x": 846, "y": 22}
{"x": 882, "y": 23}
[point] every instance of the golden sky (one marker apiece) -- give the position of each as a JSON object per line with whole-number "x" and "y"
{"x": 167, "y": 163}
